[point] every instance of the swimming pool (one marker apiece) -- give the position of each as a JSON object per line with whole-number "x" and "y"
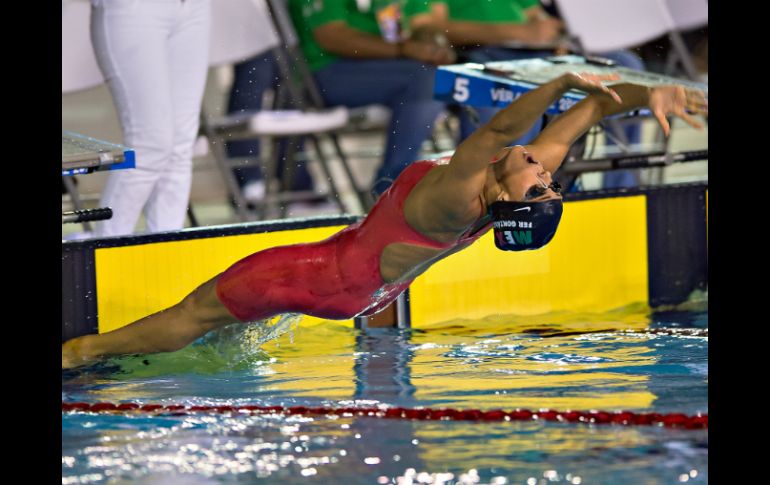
{"x": 626, "y": 359}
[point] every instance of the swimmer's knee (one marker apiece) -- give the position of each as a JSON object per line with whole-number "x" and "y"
{"x": 203, "y": 308}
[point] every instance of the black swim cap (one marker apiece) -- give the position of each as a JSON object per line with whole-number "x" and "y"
{"x": 519, "y": 226}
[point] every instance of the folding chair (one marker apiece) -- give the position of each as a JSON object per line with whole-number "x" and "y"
{"x": 593, "y": 26}
{"x": 302, "y": 86}
{"x": 685, "y": 15}
{"x": 304, "y": 119}
{"x": 607, "y": 25}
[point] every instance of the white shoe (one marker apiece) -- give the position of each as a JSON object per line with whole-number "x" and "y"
{"x": 76, "y": 236}
{"x": 299, "y": 209}
{"x": 254, "y": 191}
{"x": 201, "y": 147}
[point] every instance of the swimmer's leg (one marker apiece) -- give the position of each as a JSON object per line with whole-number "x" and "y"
{"x": 164, "y": 331}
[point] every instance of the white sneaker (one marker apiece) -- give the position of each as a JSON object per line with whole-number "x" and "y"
{"x": 76, "y": 236}
{"x": 299, "y": 209}
{"x": 201, "y": 147}
{"x": 254, "y": 191}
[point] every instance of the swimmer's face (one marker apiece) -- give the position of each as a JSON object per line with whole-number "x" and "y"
{"x": 522, "y": 177}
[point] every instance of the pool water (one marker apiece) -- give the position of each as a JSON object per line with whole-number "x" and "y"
{"x": 628, "y": 359}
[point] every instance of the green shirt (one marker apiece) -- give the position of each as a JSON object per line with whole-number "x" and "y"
{"x": 499, "y": 11}
{"x": 308, "y": 15}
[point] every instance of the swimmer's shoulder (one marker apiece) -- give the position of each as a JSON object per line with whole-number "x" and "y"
{"x": 424, "y": 208}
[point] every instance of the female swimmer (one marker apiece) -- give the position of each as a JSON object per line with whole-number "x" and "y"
{"x": 432, "y": 210}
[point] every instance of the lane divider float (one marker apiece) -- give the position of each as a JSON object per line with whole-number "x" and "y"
{"x": 623, "y": 418}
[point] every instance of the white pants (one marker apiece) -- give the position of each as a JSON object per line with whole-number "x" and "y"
{"x": 154, "y": 55}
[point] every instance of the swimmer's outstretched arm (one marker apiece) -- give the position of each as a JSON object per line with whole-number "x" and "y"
{"x": 466, "y": 173}
{"x": 164, "y": 331}
{"x": 552, "y": 144}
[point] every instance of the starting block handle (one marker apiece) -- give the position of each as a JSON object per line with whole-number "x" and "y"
{"x": 659, "y": 159}
{"x": 86, "y": 215}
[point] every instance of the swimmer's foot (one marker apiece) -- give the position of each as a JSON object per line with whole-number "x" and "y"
{"x": 74, "y": 353}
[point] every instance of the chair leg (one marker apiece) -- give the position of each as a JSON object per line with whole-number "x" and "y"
{"x": 613, "y": 130}
{"x": 678, "y": 45}
{"x": 327, "y": 172}
{"x": 360, "y": 196}
{"x": 217, "y": 146}
{"x": 287, "y": 173}
{"x": 289, "y": 164}
{"x": 268, "y": 148}
{"x": 191, "y": 216}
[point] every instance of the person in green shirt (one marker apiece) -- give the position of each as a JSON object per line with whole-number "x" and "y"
{"x": 364, "y": 52}
{"x": 485, "y": 31}
{"x": 498, "y": 22}
{"x": 502, "y": 30}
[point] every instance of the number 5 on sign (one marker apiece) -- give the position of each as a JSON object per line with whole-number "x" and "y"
{"x": 461, "y": 93}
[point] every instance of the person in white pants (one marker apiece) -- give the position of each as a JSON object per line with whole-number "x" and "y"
{"x": 154, "y": 56}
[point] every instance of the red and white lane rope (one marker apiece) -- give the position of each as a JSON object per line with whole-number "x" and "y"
{"x": 624, "y": 418}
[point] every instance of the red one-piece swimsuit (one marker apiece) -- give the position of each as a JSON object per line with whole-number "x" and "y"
{"x": 337, "y": 278}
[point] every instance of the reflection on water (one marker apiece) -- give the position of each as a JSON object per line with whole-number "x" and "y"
{"x": 561, "y": 361}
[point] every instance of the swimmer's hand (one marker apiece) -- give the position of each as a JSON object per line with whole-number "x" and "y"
{"x": 678, "y": 101}
{"x": 590, "y": 83}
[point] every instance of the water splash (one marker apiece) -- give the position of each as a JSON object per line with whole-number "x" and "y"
{"x": 697, "y": 301}
{"x": 235, "y": 347}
